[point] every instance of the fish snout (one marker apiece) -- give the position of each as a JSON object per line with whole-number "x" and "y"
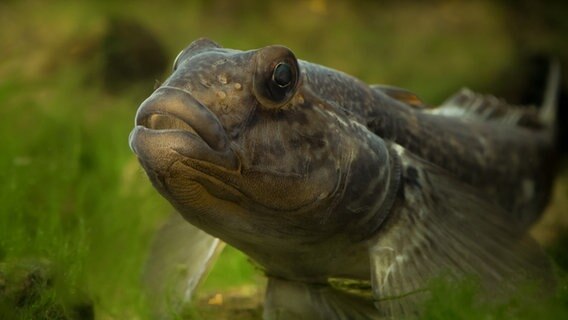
{"x": 171, "y": 122}
{"x": 170, "y": 108}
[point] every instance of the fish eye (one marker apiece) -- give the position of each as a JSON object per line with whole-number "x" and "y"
{"x": 282, "y": 75}
{"x": 282, "y": 82}
{"x": 277, "y": 75}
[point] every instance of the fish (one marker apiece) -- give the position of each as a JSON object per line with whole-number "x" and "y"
{"x": 322, "y": 179}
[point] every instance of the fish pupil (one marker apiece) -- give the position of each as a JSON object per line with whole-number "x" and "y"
{"x": 282, "y": 75}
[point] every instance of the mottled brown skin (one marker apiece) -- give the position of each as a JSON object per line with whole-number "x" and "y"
{"x": 299, "y": 182}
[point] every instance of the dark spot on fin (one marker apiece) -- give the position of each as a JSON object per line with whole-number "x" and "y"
{"x": 401, "y": 95}
{"x": 411, "y": 177}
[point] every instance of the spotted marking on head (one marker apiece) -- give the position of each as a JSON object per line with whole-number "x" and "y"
{"x": 221, "y": 95}
{"x": 223, "y": 79}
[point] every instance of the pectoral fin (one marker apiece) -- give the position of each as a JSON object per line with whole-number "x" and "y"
{"x": 442, "y": 227}
{"x": 180, "y": 257}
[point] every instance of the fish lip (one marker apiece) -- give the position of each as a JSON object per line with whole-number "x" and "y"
{"x": 159, "y": 149}
{"x": 201, "y": 137}
{"x": 180, "y": 104}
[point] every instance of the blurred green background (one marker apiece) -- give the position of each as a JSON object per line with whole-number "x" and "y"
{"x": 77, "y": 213}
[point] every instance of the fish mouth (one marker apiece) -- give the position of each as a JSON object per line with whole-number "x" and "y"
{"x": 171, "y": 125}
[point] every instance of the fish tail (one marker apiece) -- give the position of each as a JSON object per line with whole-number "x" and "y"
{"x": 549, "y": 108}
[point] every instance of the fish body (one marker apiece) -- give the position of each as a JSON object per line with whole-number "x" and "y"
{"x": 504, "y": 150}
{"x": 316, "y": 175}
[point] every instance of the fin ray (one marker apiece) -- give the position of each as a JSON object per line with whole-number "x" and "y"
{"x": 180, "y": 257}
{"x": 445, "y": 228}
{"x": 473, "y": 106}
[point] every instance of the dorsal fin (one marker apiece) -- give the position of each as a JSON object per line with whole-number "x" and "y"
{"x": 400, "y": 94}
{"x": 474, "y": 106}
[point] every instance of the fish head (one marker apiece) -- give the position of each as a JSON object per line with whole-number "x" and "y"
{"x": 244, "y": 147}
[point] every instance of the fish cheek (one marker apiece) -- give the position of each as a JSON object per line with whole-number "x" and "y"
{"x": 284, "y": 192}
{"x": 205, "y": 203}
